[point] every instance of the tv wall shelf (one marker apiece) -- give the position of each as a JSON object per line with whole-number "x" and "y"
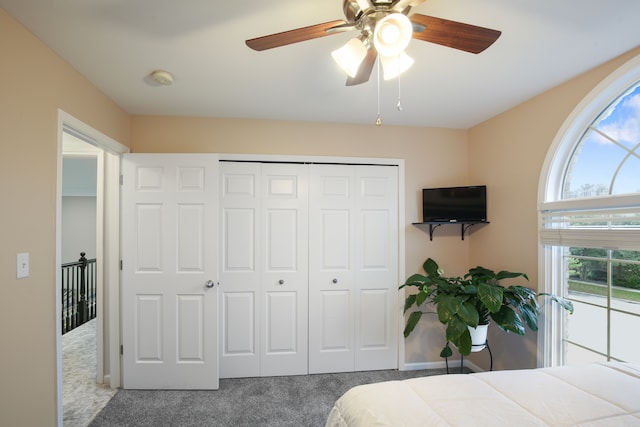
{"x": 464, "y": 226}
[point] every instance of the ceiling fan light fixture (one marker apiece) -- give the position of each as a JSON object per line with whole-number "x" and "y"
{"x": 392, "y": 34}
{"x": 393, "y": 66}
{"x": 350, "y": 56}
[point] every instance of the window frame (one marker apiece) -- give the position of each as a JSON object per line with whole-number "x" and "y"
{"x": 549, "y": 197}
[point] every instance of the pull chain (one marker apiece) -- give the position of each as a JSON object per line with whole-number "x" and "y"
{"x": 379, "y": 118}
{"x": 399, "y": 106}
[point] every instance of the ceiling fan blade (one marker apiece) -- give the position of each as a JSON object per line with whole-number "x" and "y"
{"x": 457, "y": 35}
{"x": 294, "y": 36}
{"x": 364, "y": 71}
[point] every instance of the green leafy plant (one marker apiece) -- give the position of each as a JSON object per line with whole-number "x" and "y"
{"x": 472, "y": 300}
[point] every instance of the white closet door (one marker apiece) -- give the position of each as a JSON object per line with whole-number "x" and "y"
{"x": 240, "y": 307}
{"x": 284, "y": 273}
{"x": 169, "y": 249}
{"x": 376, "y": 242}
{"x": 353, "y": 263}
{"x": 264, "y": 274}
{"x": 332, "y": 268}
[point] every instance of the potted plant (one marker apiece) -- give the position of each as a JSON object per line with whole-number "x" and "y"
{"x": 464, "y": 303}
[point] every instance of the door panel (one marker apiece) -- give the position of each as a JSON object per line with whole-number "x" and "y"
{"x": 239, "y": 240}
{"x": 331, "y": 268}
{"x": 376, "y": 240}
{"x": 335, "y": 313}
{"x": 239, "y": 311}
{"x": 335, "y": 227}
{"x": 285, "y": 273}
{"x": 190, "y": 238}
{"x": 190, "y": 332}
{"x": 281, "y": 323}
{"x": 281, "y": 240}
{"x": 169, "y": 316}
{"x": 149, "y": 237}
{"x": 373, "y": 331}
{"x": 148, "y": 328}
{"x": 240, "y": 274}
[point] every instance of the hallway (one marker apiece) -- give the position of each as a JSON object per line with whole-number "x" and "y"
{"x": 82, "y": 397}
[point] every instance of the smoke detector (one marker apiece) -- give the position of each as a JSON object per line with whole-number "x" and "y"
{"x": 161, "y": 77}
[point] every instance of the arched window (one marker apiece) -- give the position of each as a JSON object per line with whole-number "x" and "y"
{"x": 606, "y": 160}
{"x": 590, "y": 227}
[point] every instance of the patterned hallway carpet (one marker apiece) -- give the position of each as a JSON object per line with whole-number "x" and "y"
{"x": 82, "y": 398}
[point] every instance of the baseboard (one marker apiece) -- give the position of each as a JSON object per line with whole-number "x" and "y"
{"x": 473, "y": 366}
{"x": 454, "y": 364}
{"x": 428, "y": 365}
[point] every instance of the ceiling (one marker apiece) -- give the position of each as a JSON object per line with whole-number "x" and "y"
{"x": 116, "y": 44}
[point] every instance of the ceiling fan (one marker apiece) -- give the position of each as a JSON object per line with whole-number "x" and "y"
{"x": 385, "y": 29}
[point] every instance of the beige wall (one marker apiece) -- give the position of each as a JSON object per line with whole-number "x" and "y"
{"x": 507, "y": 153}
{"x": 34, "y": 83}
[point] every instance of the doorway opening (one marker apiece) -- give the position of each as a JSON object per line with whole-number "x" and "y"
{"x": 83, "y": 378}
{"x": 87, "y": 221}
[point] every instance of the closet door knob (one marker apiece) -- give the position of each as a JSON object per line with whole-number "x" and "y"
{"x": 209, "y": 283}
{"x": 334, "y": 281}
{"x": 281, "y": 282}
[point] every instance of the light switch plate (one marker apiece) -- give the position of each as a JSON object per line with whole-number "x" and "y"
{"x": 22, "y": 265}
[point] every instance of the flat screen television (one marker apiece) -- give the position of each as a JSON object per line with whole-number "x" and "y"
{"x": 455, "y": 204}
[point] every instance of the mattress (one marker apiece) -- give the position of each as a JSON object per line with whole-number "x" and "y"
{"x": 599, "y": 394}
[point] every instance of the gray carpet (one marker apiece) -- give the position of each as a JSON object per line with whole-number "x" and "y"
{"x": 273, "y": 401}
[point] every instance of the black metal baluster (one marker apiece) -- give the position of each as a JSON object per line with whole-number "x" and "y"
{"x": 82, "y": 301}
{"x": 79, "y": 291}
{"x": 63, "y": 300}
{"x": 74, "y": 299}
{"x": 94, "y": 289}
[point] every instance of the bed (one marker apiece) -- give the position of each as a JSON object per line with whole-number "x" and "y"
{"x": 599, "y": 394}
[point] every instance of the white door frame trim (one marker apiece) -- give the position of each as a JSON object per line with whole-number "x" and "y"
{"x": 108, "y": 247}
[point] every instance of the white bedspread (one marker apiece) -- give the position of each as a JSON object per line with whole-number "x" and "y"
{"x": 600, "y": 394}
